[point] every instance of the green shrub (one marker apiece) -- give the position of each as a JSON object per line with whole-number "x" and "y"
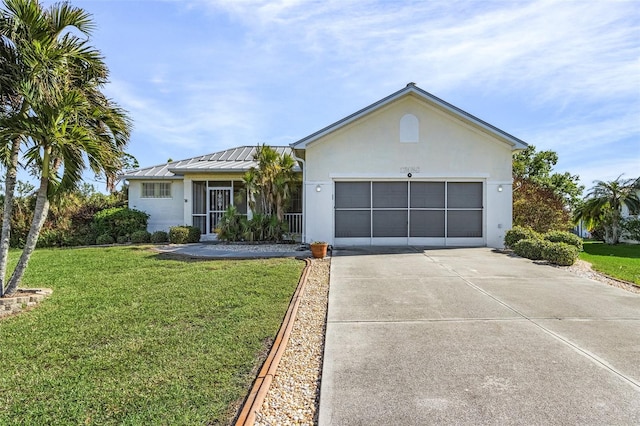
{"x": 122, "y": 239}
{"x": 518, "y": 233}
{"x": 232, "y": 226}
{"x": 184, "y": 234}
{"x": 531, "y": 248}
{"x": 49, "y": 238}
{"x": 236, "y": 227}
{"x": 178, "y": 234}
{"x": 564, "y": 237}
{"x": 194, "y": 234}
{"x": 631, "y": 228}
{"x": 561, "y": 253}
{"x": 159, "y": 237}
{"x": 105, "y": 239}
{"x": 89, "y": 239}
{"x": 597, "y": 233}
{"x": 140, "y": 237}
{"x": 119, "y": 221}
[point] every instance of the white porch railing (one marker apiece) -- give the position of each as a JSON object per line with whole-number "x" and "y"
{"x": 294, "y": 220}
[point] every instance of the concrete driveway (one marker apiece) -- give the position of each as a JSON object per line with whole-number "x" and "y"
{"x": 471, "y": 336}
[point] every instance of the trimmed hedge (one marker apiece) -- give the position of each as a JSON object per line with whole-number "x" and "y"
{"x": 105, "y": 239}
{"x": 564, "y": 237}
{"x": 518, "y": 233}
{"x": 531, "y": 248}
{"x": 557, "y": 247}
{"x": 159, "y": 237}
{"x": 140, "y": 237}
{"x": 119, "y": 221}
{"x": 561, "y": 253}
{"x": 184, "y": 234}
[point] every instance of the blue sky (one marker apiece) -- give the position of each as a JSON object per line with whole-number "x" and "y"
{"x": 206, "y": 75}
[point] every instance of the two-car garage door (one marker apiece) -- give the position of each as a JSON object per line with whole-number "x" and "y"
{"x": 409, "y": 212}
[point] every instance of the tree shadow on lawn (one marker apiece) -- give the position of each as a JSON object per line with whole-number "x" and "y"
{"x": 596, "y": 248}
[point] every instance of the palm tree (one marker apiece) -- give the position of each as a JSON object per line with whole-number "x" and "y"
{"x": 283, "y": 184}
{"x": 63, "y": 118}
{"x": 603, "y": 205}
{"x": 271, "y": 182}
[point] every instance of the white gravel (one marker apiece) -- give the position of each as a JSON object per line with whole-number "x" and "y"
{"x": 583, "y": 269}
{"x": 252, "y": 247}
{"x": 222, "y": 247}
{"x": 294, "y": 393}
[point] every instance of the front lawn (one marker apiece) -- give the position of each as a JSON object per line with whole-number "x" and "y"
{"x": 130, "y": 338}
{"x": 620, "y": 261}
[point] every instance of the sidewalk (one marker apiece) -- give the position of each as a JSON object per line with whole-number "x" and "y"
{"x": 235, "y": 251}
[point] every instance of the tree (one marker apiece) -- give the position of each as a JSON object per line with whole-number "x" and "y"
{"x": 539, "y": 208}
{"x": 542, "y": 199}
{"x": 603, "y": 206}
{"x": 269, "y": 185}
{"x": 64, "y": 120}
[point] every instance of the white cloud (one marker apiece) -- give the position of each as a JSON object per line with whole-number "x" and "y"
{"x": 576, "y": 51}
{"x": 277, "y": 64}
{"x": 204, "y": 120}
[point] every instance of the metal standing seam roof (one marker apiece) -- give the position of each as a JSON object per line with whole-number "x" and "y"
{"x": 412, "y": 88}
{"x": 238, "y": 159}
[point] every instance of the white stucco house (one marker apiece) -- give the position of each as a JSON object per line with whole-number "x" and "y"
{"x": 410, "y": 169}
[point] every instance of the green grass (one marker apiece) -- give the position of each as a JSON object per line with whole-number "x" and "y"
{"x": 620, "y": 261}
{"x": 129, "y": 338}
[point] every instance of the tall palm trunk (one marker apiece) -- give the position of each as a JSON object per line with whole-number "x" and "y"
{"x": 10, "y": 185}
{"x": 39, "y": 217}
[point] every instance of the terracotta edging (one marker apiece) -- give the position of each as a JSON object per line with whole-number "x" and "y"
{"x": 262, "y": 383}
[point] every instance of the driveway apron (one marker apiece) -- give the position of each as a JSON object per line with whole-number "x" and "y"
{"x": 473, "y": 336}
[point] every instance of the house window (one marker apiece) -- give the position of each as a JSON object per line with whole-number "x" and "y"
{"x": 156, "y": 189}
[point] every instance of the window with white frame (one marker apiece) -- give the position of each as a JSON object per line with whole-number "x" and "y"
{"x": 156, "y": 189}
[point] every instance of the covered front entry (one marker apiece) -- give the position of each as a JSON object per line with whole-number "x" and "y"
{"x": 436, "y": 213}
{"x": 219, "y": 201}
{"x": 212, "y": 198}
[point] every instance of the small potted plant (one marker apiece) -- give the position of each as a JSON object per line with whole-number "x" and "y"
{"x": 319, "y": 249}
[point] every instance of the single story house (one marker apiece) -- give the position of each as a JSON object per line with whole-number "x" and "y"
{"x": 410, "y": 169}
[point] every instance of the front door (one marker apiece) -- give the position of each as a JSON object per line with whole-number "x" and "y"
{"x": 219, "y": 201}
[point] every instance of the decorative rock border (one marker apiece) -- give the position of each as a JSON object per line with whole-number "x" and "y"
{"x": 254, "y": 400}
{"x": 26, "y": 298}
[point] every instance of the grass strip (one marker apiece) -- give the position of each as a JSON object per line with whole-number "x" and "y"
{"x": 129, "y": 337}
{"x": 621, "y": 261}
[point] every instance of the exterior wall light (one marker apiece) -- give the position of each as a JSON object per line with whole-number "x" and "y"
{"x": 499, "y": 188}
{"x": 318, "y": 188}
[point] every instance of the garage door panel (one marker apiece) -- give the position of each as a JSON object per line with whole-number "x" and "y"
{"x": 353, "y": 223}
{"x": 426, "y": 223}
{"x": 389, "y": 223}
{"x": 390, "y": 195}
{"x": 464, "y": 195}
{"x": 464, "y": 223}
{"x": 353, "y": 195}
{"x": 427, "y": 195}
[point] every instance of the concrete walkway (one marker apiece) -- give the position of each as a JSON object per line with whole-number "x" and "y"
{"x": 471, "y": 336}
{"x": 234, "y": 251}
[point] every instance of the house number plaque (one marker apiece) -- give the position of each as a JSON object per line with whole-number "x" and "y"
{"x": 410, "y": 169}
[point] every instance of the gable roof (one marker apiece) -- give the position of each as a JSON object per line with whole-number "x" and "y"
{"x": 411, "y": 88}
{"x": 238, "y": 159}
